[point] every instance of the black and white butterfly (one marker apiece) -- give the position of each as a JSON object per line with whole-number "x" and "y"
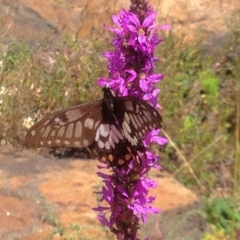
{"x": 112, "y": 128}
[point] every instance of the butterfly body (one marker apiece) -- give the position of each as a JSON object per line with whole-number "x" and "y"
{"x": 112, "y": 126}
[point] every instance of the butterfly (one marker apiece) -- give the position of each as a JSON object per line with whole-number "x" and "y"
{"x": 112, "y": 128}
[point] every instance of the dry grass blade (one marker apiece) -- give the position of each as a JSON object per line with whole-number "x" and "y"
{"x": 184, "y": 160}
{"x": 200, "y": 153}
{"x": 236, "y": 171}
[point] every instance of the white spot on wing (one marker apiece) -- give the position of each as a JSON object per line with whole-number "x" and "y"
{"x": 33, "y": 132}
{"x": 126, "y": 126}
{"x": 147, "y": 114}
{"x": 104, "y": 130}
{"x": 57, "y": 141}
{"x": 134, "y": 140}
{"x": 137, "y": 109}
{"x": 126, "y": 134}
{"x": 126, "y": 117}
{"x": 66, "y": 142}
{"x": 116, "y": 131}
{"x": 46, "y": 123}
{"x": 42, "y": 130}
{"x": 85, "y": 142}
{"x": 69, "y": 131}
{"x": 97, "y": 135}
{"x": 100, "y": 144}
{"x": 129, "y": 106}
{"x": 137, "y": 120}
{"x": 58, "y": 121}
{"x": 114, "y": 137}
{"x": 140, "y": 119}
{"x": 77, "y": 144}
{"x": 107, "y": 145}
{"x": 141, "y": 134}
{"x": 53, "y": 133}
{"x": 61, "y": 131}
{"x": 143, "y": 106}
{"x": 96, "y": 124}
{"x": 133, "y": 121}
{"x": 111, "y": 140}
{"x": 88, "y": 123}
{"x": 73, "y": 115}
{"x": 49, "y": 142}
{"x": 145, "y": 119}
{"x": 78, "y": 129}
{"x": 46, "y": 132}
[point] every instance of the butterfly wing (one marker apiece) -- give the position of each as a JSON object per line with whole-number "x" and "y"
{"x": 110, "y": 144}
{"x": 137, "y": 118}
{"x": 111, "y": 128}
{"x": 120, "y": 134}
{"x": 73, "y": 127}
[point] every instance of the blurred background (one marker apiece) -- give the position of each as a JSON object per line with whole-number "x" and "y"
{"x": 50, "y": 58}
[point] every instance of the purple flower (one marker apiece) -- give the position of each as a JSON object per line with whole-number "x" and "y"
{"x": 130, "y": 68}
{"x": 153, "y": 136}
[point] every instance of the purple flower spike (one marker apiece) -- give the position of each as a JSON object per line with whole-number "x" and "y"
{"x": 130, "y": 68}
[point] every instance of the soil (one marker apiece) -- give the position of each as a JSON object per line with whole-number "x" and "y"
{"x": 42, "y": 197}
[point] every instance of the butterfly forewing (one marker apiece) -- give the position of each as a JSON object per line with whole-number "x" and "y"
{"x": 73, "y": 127}
{"x": 137, "y": 118}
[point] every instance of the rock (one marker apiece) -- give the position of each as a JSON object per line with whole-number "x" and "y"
{"x": 41, "y": 195}
{"x": 35, "y": 20}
